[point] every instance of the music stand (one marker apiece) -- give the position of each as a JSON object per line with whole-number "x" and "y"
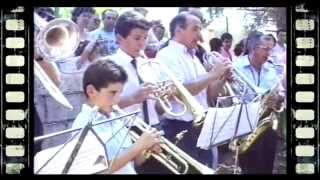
{"x": 94, "y": 151}
{"x": 219, "y": 129}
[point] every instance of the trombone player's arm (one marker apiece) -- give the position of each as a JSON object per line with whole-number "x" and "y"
{"x": 49, "y": 68}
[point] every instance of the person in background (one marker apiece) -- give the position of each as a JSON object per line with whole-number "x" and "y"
{"x": 47, "y": 13}
{"x": 106, "y": 35}
{"x": 215, "y": 45}
{"x": 158, "y": 30}
{"x": 81, "y": 16}
{"x": 226, "y": 39}
{"x": 239, "y": 48}
{"x": 94, "y": 23}
{"x": 275, "y": 58}
{"x": 280, "y": 48}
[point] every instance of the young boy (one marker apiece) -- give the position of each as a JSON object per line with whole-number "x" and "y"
{"x": 103, "y": 83}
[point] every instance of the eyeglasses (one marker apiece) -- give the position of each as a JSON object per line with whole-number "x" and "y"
{"x": 268, "y": 49}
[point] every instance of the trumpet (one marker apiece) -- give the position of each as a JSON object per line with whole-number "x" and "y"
{"x": 182, "y": 95}
{"x": 240, "y": 85}
{"x": 172, "y": 157}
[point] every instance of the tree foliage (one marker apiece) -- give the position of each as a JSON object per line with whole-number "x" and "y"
{"x": 265, "y": 15}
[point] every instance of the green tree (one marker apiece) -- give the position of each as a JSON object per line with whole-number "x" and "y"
{"x": 265, "y": 15}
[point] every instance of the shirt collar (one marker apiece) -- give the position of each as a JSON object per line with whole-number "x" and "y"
{"x": 181, "y": 47}
{"x": 89, "y": 111}
{"x": 246, "y": 63}
{"x": 126, "y": 58}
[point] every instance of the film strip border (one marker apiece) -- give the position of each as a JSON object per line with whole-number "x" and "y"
{"x": 14, "y": 91}
{"x": 305, "y": 90}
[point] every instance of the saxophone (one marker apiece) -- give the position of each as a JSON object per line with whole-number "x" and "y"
{"x": 267, "y": 120}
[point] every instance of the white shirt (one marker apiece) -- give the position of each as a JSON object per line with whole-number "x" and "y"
{"x": 265, "y": 80}
{"x": 278, "y": 54}
{"x": 124, "y": 60}
{"x": 107, "y": 132}
{"x": 109, "y": 44}
{"x": 187, "y": 68}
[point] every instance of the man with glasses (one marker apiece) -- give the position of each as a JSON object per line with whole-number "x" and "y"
{"x": 105, "y": 36}
{"x": 255, "y": 65}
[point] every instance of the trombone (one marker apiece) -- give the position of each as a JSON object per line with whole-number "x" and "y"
{"x": 55, "y": 40}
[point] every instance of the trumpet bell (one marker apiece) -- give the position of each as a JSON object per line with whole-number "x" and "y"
{"x": 58, "y": 39}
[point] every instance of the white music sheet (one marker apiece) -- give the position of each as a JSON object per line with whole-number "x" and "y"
{"x": 220, "y": 124}
{"x": 90, "y": 159}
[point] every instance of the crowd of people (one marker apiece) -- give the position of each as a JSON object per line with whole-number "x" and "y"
{"x": 112, "y": 46}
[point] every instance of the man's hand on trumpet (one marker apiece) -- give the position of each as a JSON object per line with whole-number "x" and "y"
{"x": 145, "y": 91}
{"x": 221, "y": 71}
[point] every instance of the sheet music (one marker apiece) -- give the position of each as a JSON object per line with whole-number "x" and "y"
{"x": 90, "y": 159}
{"x": 220, "y": 124}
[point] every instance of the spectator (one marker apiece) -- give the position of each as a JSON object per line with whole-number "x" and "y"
{"x": 94, "y": 23}
{"x": 106, "y": 34}
{"x": 226, "y": 39}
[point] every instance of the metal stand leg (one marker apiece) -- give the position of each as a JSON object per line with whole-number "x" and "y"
{"x": 236, "y": 168}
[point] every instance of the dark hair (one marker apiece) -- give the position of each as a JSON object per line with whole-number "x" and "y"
{"x": 273, "y": 38}
{"x": 102, "y": 73}
{"x": 78, "y": 10}
{"x": 280, "y": 30}
{"x": 238, "y": 48}
{"x": 45, "y": 12}
{"x": 158, "y": 25}
{"x": 131, "y": 20}
{"x": 183, "y": 9}
{"x": 252, "y": 40}
{"x": 200, "y": 52}
{"x": 107, "y": 11}
{"x": 81, "y": 47}
{"x": 215, "y": 44}
{"x": 225, "y": 36}
{"x": 256, "y": 39}
{"x": 178, "y": 21}
{"x": 141, "y": 10}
